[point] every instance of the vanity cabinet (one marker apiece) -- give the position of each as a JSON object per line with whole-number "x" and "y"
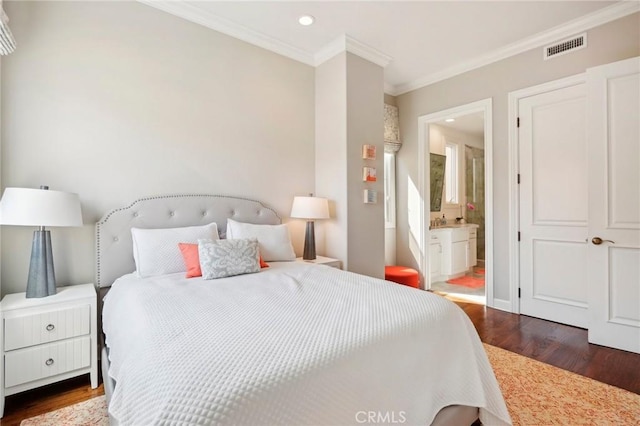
{"x": 452, "y": 251}
{"x": 459, "y": 258}
{"x": 435, "y": 257}
{"x": 472, "y": 259}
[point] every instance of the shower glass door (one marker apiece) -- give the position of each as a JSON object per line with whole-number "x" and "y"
{"x": 474, "y": 192}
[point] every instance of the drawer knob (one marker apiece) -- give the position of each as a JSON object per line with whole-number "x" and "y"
{"x": 49, "y": 361}
{"x": 50, "y": 327}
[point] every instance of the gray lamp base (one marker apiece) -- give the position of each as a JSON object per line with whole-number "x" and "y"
{"x": 42, "y": 279}
{"x": 309, "y": 242}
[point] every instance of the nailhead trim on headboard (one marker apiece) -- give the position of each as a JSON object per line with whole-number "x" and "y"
{"x": 237, "y": 203}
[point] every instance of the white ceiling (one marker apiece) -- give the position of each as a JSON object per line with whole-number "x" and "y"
{"x": 472, "y": 124}
{"x": 424, "y": 41}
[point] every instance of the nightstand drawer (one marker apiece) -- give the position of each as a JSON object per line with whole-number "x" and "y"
{"x": 39, "y": 362}
{"x": 29, "y": 330}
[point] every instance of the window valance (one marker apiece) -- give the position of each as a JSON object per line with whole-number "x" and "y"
{"x": 391, "y": 129}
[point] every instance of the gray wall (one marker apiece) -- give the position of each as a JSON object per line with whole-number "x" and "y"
{"x": 118, "y": 100}
{"x": 349, "y": 114}
{"x": 331, "y": 152}
{"x": 608, "y": 43}
{"x": 365, "y": 125}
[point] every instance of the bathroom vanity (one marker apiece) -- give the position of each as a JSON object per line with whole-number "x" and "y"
{"x": 453, "y": 250}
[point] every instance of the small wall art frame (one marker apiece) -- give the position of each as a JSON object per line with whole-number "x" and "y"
{"x": 369, "y": 174}
{"x": 369, "y": 152}
{"x": 370, "y": 196}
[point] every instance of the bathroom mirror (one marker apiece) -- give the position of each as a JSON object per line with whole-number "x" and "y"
{"x": 437, "y": 181}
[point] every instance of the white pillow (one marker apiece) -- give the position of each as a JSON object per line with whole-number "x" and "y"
{"x": 156, "y": 251}
{"x": 274, "y": 241}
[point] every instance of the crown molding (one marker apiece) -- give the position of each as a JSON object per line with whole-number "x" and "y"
{"x": 330, "y": 50}
{"x": 586, "y": 22}
{"x": 389, "y": 88}
{"x": 346, "y": 43}
{"x": 191, "y": 12}
{"x": 367, "y": 52}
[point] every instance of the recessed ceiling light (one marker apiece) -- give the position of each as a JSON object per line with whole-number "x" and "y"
{"x": 306, "y": 20}
{"x": 450, "y": 120}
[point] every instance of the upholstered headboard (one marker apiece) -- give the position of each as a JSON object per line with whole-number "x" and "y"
{"x": 114, "y": 246}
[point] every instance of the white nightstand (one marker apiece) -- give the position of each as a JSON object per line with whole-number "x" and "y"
{"x": 48, "y": 339}
{"x": 321, "y": 260}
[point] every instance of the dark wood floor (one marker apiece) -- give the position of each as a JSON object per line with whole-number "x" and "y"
{"x": 560, "y": 345}
{"x": 48, "y": 398}
{"x": 556, "y": 344}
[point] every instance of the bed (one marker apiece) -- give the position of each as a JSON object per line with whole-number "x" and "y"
{"x": 294, "y": 343}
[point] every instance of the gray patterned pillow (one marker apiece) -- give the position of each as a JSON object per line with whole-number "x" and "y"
{"x": 226, "y": 258}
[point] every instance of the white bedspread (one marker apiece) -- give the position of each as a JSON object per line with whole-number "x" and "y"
{"x": 294, "y": 344}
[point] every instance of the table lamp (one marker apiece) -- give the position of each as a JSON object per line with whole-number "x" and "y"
{"x": 310, "y": 208}
{"x": 40, "y": 207}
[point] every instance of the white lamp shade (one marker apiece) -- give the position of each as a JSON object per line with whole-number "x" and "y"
{"x": 310, "y": 208}
{"x": 39, "y": 207}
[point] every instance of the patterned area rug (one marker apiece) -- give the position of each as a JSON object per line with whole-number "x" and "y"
{"x": 468, "y": 281}
{"x": 92, "y": 412}
{"x": 536, "y": 394}
{"x": 541, "y": 394}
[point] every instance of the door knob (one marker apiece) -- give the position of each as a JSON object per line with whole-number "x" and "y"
{"x": 597, "y": 241}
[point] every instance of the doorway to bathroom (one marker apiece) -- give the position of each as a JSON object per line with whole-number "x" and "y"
{"x": 456, "y": 149}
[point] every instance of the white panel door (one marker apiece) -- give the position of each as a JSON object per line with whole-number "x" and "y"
{"x": 614, "y": 205}
{"x": 553, "y": 205}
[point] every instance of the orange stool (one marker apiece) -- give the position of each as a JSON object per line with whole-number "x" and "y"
{"x": 402, "y": 275}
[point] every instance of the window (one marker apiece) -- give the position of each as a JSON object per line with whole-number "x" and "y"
{"x": 389, "y": 190}
{"x": 451, "y": 174}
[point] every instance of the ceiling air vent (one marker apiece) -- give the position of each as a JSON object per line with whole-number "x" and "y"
{"x": 565, "y": 46}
